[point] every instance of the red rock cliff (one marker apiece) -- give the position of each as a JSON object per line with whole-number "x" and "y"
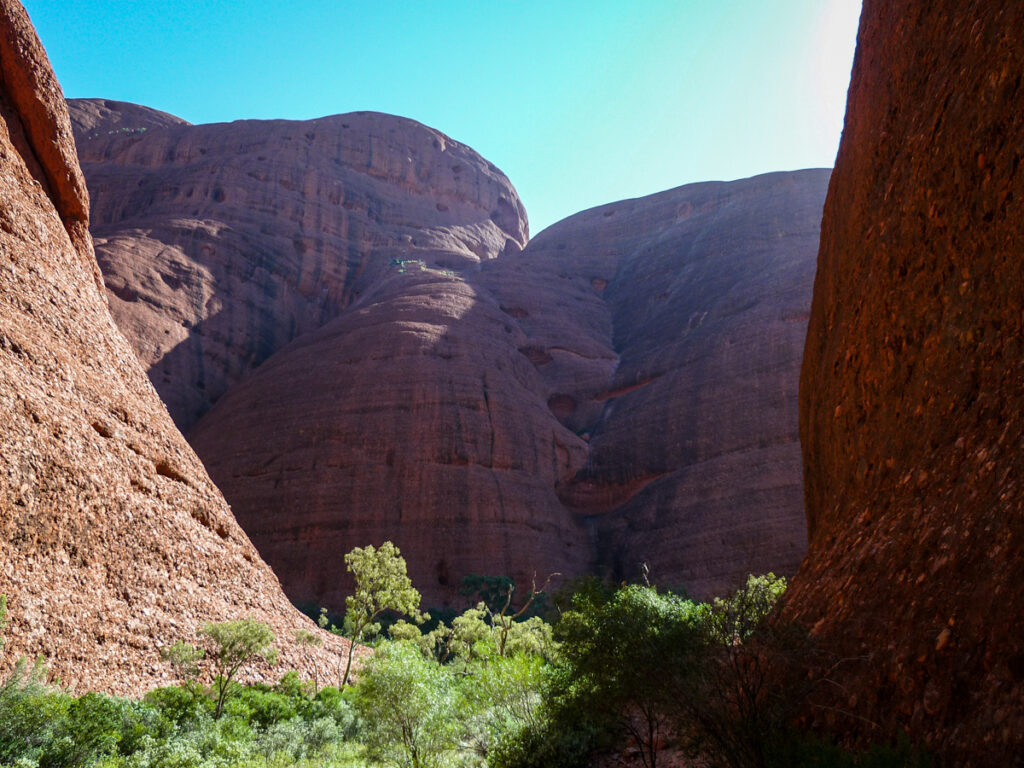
{"x": 913, "y": 385}
{"x": 667, "y": 331}
{"x": 221, "y": 243}
{"x": 113, "y": 540}
{"x": 383, "y": 362}
{"x": 622, "y": 391}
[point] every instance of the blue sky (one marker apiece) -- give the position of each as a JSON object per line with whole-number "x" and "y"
{"x": 580, "y": 103}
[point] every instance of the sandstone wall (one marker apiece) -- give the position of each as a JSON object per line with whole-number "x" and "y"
{"x": 341, "y": 312}
{"x": 667, "y": 331}
{"x": 113, "y": 540}
{"x": 912, "y": 385}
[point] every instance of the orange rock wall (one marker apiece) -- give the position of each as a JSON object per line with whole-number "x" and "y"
{"x": 913, "y": 384}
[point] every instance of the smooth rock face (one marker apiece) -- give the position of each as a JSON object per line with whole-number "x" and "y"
{"x": 113, "y": 540}
{"x": 913, "y": 385}
{"x": 221, "y": 243}
{"x": 667, "y": 331}
{"x": 622, "y": 391}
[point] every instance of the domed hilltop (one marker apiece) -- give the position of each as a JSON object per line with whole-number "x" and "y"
{"x": 114, "y": 540}
{"x": 912, "y": 387}
{"x": 347, "y": 319}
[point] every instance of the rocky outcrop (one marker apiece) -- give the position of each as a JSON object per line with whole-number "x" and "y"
{"x": 113, "y": 540}
{"x": 622, "y": 391}
{"x": 221, "y": 243}
{"x": 384, "y": 361}
{"x": 912, "y": 386}
{"x": 667, "y": 331}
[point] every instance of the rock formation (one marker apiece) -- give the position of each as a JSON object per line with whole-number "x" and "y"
{"x": 221, "y": 243}
{"x": 913, "y": 383}
{"x": 113, "y": 540}
{"x": 667, "y": 331}
{"x": 624, "y": 390}
{"x": 383, "y": 362}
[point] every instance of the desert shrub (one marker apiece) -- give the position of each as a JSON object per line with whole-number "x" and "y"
{"x": 31, "y": 717}
{"x": 749, "y": 680}
{"x": 497, "y": 697}
{"x": 406, "y": 703}
{"x": 235, "y": 644}
{"x": 179, "y": 706}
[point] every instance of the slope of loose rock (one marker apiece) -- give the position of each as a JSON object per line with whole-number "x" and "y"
{"x": 912, "y": 386}
{"x": 113, "y": 540}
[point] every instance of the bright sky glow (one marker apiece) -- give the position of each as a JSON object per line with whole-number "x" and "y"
{"x": 580, "y": 102}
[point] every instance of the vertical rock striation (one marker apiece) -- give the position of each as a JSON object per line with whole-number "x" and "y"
{"x": 913, "y": 384}
{"x": 113, "y": 540}
{"x": 624, "y": 390}
{"x": 221, "y": 243}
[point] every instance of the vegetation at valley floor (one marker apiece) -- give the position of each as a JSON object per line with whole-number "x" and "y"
{"x": 619, "y": 669}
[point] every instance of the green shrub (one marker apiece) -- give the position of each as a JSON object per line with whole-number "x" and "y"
{"x": 406, "y": 704}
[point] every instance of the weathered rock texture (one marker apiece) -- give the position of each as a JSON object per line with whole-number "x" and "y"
{"x": 113, "y": 540}
{"x": 913, "y": 385}
{"x": 622, "y": 391}
{"x": 221, "y": 243}
{"x": 667, "y": 332}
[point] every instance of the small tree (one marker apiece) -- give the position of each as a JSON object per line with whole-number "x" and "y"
{"x": 3, "y": 621}
{"x": 406, "y": 702}
{"x": 237, "y": 643}
{"x": 184, "y": 659}
{"x": 751, "y": 681}
{"x": 503, "y": 619}
{"x": 382, "y": 584}
{"x": 309, "y": 641}
{"x": 628, "y": 657}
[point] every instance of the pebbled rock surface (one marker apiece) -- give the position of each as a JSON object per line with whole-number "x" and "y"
{"x": 913, "y": 384}
{"x": 221, "y": 243}
{"x": 113, "y": 540}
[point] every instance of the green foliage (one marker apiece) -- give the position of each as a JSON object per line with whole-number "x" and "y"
{"x": 3, "y": 620}
{"x": 236, "y": 643}
{"x": 382, "y": 584}
{"x": 179, "y": 707}
{"x": 723, "y": 680}
{"x": 628, "y": 659}
{"x": 737, "y": 617}
{"x": 406, "y": 702}
{"x": 498, "y": 698}
{"x": 492, "y": 591}
{"x": 184, "y": 659}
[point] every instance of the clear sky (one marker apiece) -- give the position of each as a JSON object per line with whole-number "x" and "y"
{"x": 578, "y": 102}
